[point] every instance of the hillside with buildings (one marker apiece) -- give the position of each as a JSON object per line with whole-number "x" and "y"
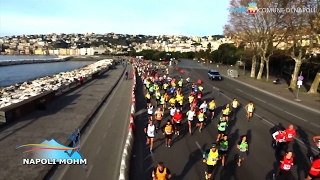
{"x": 110, "y": 43}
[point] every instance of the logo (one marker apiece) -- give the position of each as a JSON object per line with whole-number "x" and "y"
{"x": 252, "y": 8}
{"x": 52, "y": 152}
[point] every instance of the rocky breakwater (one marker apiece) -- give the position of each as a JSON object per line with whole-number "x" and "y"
{"x": 20, "y": 92}
{"x": 33, "y": 61}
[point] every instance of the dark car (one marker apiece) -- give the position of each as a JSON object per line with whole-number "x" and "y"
{"x": 214, "y": 75}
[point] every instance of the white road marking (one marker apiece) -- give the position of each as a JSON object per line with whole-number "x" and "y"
{"x": 260, "y": 100}
{"x": 91, "y": 127}
{"x": 239, "y": 90}
{"x": 109, "y": 124}
{"x": 277, "y": 107}
{"x": 296, "y": 116}
{"x": 105, "y": 135}
{"x": 315, "y": 124}
{"x": 199, "y": 147}
{"x": 89, "y": 171}
{"x": 98, "y": 150}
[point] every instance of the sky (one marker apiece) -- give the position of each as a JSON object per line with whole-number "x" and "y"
{"x": 149, "y": 17}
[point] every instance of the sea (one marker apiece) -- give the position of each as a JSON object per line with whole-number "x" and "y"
{"x": 10, "y": 75}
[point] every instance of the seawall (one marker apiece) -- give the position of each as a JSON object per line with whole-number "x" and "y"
{"x": 33, "y": 61}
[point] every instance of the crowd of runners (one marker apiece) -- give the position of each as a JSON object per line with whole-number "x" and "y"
{"x": 166, "y": 91}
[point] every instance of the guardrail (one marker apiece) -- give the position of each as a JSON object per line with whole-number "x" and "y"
{"x": 126, "y": 155}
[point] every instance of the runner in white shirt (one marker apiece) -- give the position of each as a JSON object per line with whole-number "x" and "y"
{"x": 172, "y": 111}
{"x": 204, "y": 106}
{"x": 150, "y": 111}
{"x": 191, "y": 114}
{"x": 150, "y": 131}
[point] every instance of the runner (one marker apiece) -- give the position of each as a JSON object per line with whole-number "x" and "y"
{"x": 290, "y": 134}
{"x": 210, "y": 157}
{"x": 222, "y": 126}
{"x": 148, "y": 97}
{"x": 201, "y": 118}
{"x": 150, "y": 131}
{"x": 212, "y": 106}
{"x": 161, "y": 172}
{"x": 173, "y": 110}
{"x": 316, "y": 141}
{"x": 188, "y": 82}
{"x": 191, "y": 114}
{"x": 235, "y": 104}
{"x": 243, "y": 147}
{"x": 279, "y": 138}
{"x": 249, "y": 109}
{"x": 285, "y": 165}
{"x": 168, "y": 133}
{"x": 204, "y": 106}
{"x": 224, "y": 145}
{"x": 163, "y": 102}
{"x": 158, "y": 97}
{"x": 158, "y": 116}
{"x": 150, "y": 111}
{"x": 199, "y": 97}
{"x": 225, "y": 113}
{"x": 177, "y": 118}
{"x": 314, "y": 172}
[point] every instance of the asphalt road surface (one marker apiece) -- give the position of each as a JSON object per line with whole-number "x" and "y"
{"x": 103, "y": 141}
{"x": 184, "y": 158}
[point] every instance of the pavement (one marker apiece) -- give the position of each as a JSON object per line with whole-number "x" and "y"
{"x": 103, "y": 141}
{"x": 184, "y": 158}
{"x": 61, "y": 117}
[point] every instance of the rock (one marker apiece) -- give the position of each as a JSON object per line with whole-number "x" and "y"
{"x": 22, "y": 91}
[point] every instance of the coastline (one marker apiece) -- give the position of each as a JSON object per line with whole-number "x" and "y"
{"x": 33, "y": 61}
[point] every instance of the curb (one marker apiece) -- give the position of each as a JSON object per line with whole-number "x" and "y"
{"x": 273, "y": 95}
{"x": 126, "y": 155}
{"x": 50, "y": 169}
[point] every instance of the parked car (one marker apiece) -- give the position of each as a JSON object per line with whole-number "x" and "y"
{"x": 214, "y": 75}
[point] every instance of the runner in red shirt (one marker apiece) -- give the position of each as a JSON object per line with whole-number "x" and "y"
{"x": 177, "y": 118}
{"x": 286, "y": 163}
{"x": 314, "y": 172}
{"x": 290, "y": 134}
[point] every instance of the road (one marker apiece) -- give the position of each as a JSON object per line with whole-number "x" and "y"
{"x": 103, "y": 141}
{"x": 185, "y": 155}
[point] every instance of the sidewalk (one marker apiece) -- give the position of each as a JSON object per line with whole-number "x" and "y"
{"x": 309, "y": 100}
{"x": 61, "y": 117}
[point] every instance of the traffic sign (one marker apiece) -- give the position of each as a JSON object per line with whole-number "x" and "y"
{"x": 300, "y": 78}
{"x": 299, "y": 83}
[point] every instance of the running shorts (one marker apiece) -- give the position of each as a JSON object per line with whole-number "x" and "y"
{"x": 210, "y": 168}
{"x": 223, "y": 152}
{"x": 157, "y": 100}
{"x": 150, "y": 115}
{"x": 221, "y": 132}
{"x": 148, "y": 100}
{"x": 149, "y": 137}
{"x": 242, "y": 154}
{"x": 211, "y": 110}
{"x": 224, "y": 115}
{"x": 168, "y": 136}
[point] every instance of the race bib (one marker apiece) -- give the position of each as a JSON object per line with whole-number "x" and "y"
{"x": 290, "y": 135}
{"x": 286, "y": 166}
{"x": 213, "y": 159}
{"x": 243, "y": 150}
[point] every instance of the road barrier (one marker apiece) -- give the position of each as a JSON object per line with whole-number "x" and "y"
{"x": 126, "y": 155}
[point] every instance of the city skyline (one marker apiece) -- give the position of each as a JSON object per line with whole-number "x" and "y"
{"x": 152, "y": 17}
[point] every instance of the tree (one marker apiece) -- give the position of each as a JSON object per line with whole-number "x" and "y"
{"x": 258, "y": 30}
{"x": 315, "y": 84}
{"x": 298, "y": 30}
